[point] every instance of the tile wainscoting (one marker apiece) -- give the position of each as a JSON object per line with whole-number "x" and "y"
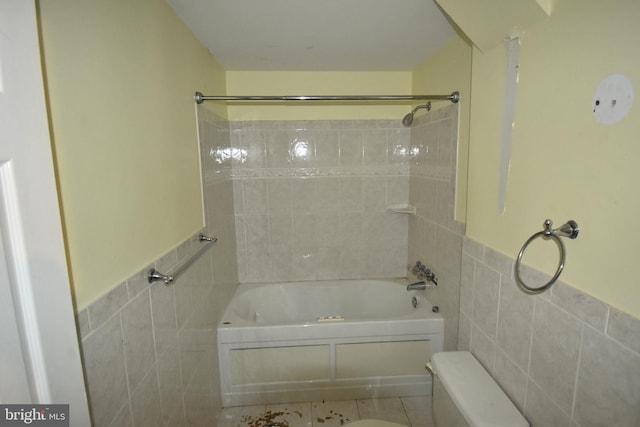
{"x": 149, "y": 350}
{"x": 563, "y": 357}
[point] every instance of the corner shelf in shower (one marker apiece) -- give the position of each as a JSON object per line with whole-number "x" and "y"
{"x": 403, "y": 209}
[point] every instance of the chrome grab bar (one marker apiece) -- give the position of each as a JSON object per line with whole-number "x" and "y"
{"x": 153, "y": 275}
{"x": 569, "y": 229}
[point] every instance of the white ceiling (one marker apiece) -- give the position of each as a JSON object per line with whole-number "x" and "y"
{"x": 317, "y": 35}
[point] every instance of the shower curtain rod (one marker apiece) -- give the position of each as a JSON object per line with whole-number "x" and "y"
{"x": 454, "y": 97}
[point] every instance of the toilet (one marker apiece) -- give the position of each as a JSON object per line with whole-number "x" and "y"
{"x": 464, "y": 395}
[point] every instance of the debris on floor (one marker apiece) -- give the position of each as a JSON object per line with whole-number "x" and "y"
{"x": 276, "y": 419}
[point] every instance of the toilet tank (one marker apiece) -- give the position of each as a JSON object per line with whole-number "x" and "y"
{"x": 465, "y": 395}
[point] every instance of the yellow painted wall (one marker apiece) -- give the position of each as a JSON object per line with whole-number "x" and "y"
{"x": 318, "y": 83}
{"x": 447, "y": 71}
{"x": 565, "y": 165}
{"x": 121, "y": 77}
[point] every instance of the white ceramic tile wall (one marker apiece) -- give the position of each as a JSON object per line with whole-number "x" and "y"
{"x": 311, "y": 199}
{"x": 149, "y": 350}
{"x": 564, "y": 357}
{"x": 435, "y": 238}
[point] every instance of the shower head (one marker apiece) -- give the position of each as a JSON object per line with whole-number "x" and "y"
{"x": 408, "y": 119}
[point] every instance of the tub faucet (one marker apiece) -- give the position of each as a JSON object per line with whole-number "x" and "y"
{"x": 422, "y": 272}
{"x": 417, "y": 286}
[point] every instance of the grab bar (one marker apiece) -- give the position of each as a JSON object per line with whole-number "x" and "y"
{"x": 569, "y": 229}
{"x": 153, "y": 275}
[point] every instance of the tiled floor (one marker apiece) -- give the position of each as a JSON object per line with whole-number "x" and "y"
{"x": 409, "y": 411}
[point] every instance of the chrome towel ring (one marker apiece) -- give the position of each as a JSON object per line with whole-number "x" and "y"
{"x": 569, "y": 229}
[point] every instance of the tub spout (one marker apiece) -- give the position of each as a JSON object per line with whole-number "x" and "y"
{"x": 417, "y": 286}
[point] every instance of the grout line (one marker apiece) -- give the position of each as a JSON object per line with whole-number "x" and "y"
{"x": 527, "y": 373}
{"x": 124, "y": 359}
{"x": 406, "y": 414}
{"x": 577, "y": 374}
{"x": 88, "y": 322}
{"x": 533, "y": 321}
{"x": 500, "y": 283}
{"x": 606, "y": 321}
{"x": 474, "y": 268}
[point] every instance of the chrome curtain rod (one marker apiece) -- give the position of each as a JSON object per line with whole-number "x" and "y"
{"x": 454, "y": 97}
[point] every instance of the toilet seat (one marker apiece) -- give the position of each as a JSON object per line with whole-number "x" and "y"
{"x": 374, "y": 423}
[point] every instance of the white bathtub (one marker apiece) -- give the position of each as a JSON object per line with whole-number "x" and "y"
{"x": 303, "y": 341}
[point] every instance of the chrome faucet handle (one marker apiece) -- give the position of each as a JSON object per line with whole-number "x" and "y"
{"x": 422, "y": 272}
{"x": 431, "y": 277}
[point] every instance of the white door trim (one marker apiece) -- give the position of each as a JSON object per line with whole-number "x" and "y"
{"x": 31, "y": 226}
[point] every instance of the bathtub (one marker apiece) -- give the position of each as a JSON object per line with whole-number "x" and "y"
{"x": 306, "y": 341}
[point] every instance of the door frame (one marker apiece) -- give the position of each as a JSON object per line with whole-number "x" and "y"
{"x": 31, "y": 221}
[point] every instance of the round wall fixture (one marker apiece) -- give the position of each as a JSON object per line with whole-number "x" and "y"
{"x": 613, "y": 99}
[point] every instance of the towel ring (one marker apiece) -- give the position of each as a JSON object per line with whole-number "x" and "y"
{"x": 569, "y": 229}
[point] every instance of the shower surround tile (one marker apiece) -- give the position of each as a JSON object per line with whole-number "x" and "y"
{"x": 316, "y": 174}
{"x": 435, "y": 238}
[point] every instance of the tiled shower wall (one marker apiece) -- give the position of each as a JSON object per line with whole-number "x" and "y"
{"x": 435, "y": 238}
{"x": 565, "y": 358}
{"x": 149, "y": 350}
{"x": 312, "y": 198}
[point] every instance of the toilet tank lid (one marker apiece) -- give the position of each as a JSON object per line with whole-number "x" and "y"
{"x": 476, "y": 395}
